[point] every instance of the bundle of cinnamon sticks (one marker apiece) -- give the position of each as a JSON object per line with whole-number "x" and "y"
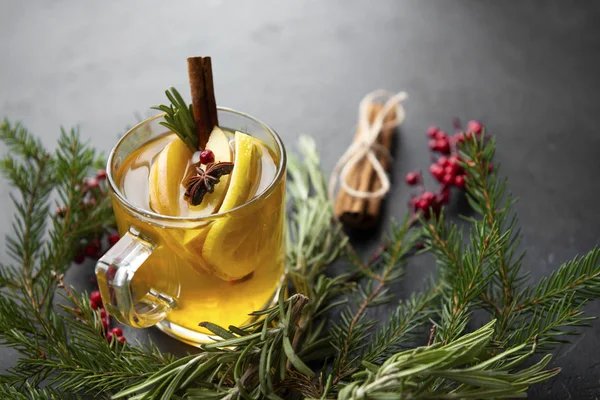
{"x": 361, "y": 213}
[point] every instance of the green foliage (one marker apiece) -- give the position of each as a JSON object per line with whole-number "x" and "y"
{"x": 179, "y": 118}
{"x": 28, "y": 392}
{"x": 462, "y": 363}
{"x": 292, "y": 348}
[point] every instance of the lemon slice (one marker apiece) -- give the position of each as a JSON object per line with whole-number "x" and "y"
{"x": 166, "y": 174}
{"x": 227, "y": 250}
{"x": 246, "y": 172}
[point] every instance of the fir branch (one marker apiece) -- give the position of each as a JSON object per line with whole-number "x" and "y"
{"x": 579, "y": 277}
{"x": 20, "y": 142}
{"x": 348, "y": 335}
{"x": 549, "y": 326}
{"x": 487, "y": 196}
{"x": 552, "y": 307}
{"x": 463, "y": 272}
{"x": 525, "y": 314}
{"x": 31, "y": 393}
{"x": 32, "y": 174}
{"x": 74, "y": 355}
{"x": 403, "y": 326}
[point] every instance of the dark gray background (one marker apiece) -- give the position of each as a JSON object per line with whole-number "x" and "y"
{"x": 528, "y": 69}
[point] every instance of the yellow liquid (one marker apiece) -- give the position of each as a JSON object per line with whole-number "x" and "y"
{"x": 190, "y": 260}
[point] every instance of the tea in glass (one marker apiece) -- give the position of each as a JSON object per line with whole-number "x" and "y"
{"x": 209, "y": 225}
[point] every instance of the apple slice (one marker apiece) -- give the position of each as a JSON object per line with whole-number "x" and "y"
{"x": 193, "y": 239}
{"x": 218, "y": 143}
{"x": 166, "y": 174}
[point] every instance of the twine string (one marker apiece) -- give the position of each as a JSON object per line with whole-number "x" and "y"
{"x": 366, "y": 146}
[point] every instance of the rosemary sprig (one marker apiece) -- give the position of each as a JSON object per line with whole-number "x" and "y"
{"x": 179, "y": 118}
{"x": 462, "y": 363}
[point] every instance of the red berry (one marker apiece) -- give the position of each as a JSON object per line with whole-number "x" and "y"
{"x": 441, "y": 135}
{"x": 451, "y": 169}
{"x": 459, "y": 181}
{"x": 113, "y": 238}
{"x": 422, "y": 205}
{"x": 454, "y": 160}
{"x": 103, "y": 313}
{"x": 92, "y": 183}
{"x": 437, "y": 171}
{"x": 456, "y": 164}
{"x": 122, "y": 339}
{"x": 207, "y": 157}
{"x": 92, "y": 250}
{"x": 428, "y": 197}
{"x": 432, "y": 144}
{"x": 412, "y": 178}
{"x": 96, "y": 298}
{"x": 459, "y": 137}
{"x": 106, "y": 324}
{"x": 101, "y": 175}
{"x": 444, "y": 196}
{"x": 474, "y": 127}
{"x": 443, "y": 161}
{"x": 431, "y": 131}
{"x": 109, "y": 337}
{"x": 443, "y": 146}
{"x": 426, "y": 201}
{"x": 117, "y": 331}
{"x": 448, "y": 179}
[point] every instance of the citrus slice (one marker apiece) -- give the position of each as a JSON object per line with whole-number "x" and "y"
{"x": 166, "y": 174}
{"x": 226, "y": 249}
{"x": 246, "y": 172}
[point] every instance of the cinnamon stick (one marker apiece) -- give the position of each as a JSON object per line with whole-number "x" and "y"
{"x": 203, "y": 97}
{"x": 364, "y": 213}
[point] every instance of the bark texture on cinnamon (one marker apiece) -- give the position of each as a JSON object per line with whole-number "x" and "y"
{"x": 203, "y": 97}
{"x": 364, "y": 213}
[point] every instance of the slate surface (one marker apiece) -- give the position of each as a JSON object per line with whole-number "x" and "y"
{"x": 528, "y": 69}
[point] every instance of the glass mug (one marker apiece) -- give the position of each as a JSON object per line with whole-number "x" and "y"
{"x": 159, "y": 272}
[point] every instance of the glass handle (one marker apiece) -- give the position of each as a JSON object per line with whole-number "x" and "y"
{"x": 115, "y": 272}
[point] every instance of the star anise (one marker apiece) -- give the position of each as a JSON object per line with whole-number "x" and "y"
{"x": 202, "y": 182}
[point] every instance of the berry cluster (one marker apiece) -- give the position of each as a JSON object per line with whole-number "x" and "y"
{"x": 114, "y": 333}
{"x": 446, "y": 169}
